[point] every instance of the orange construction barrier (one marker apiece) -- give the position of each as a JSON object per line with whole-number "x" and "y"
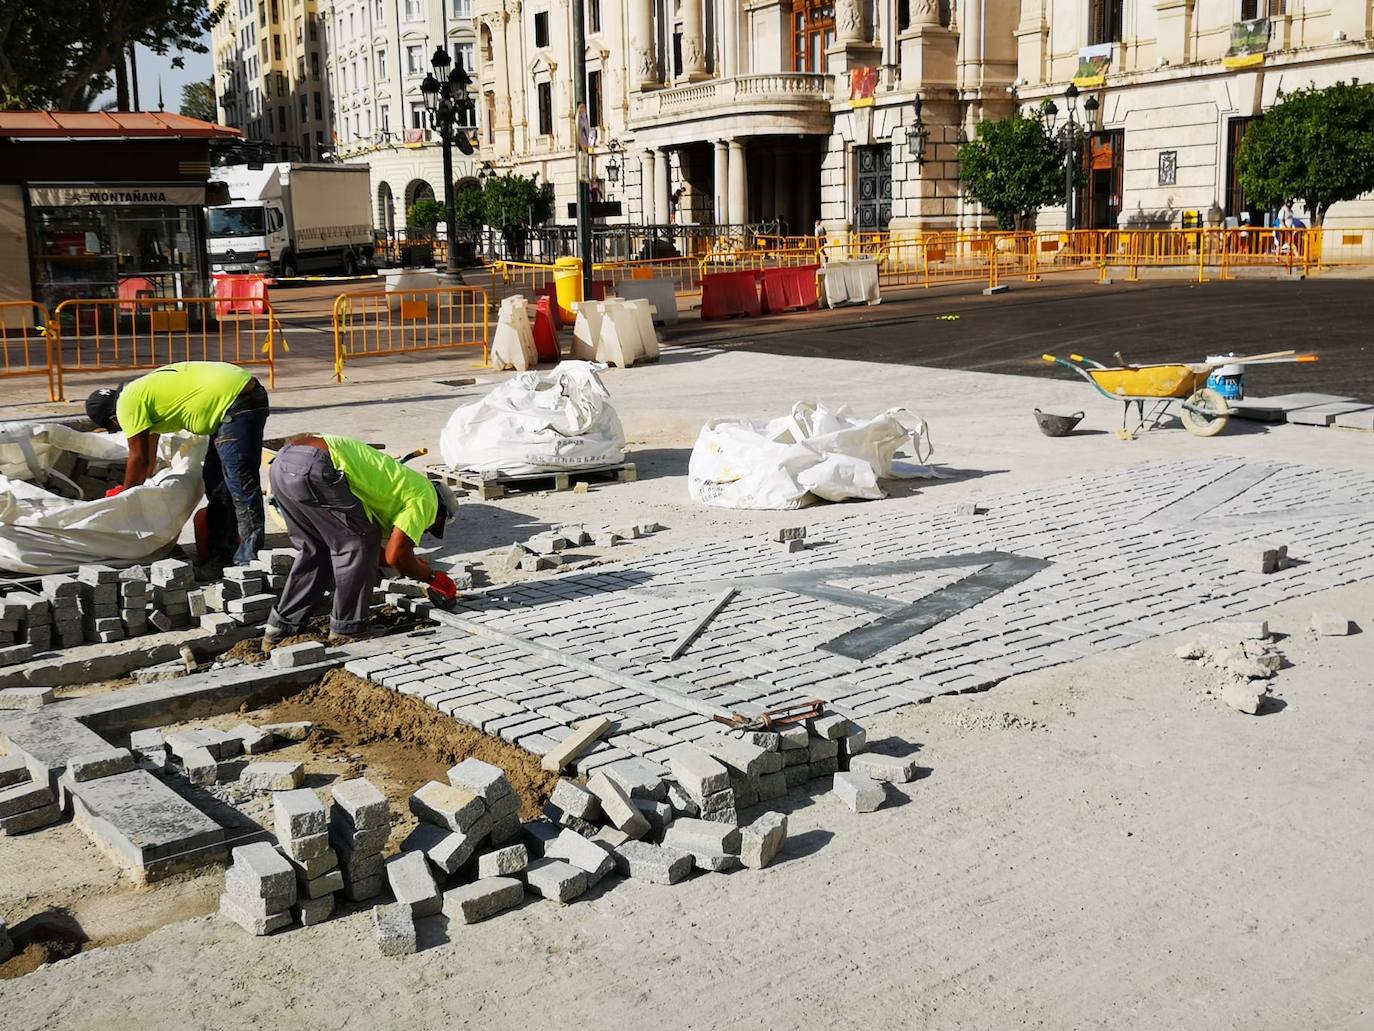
{"x": 26, "y": 344}
{"x": 727, "y": 294}
{"x": 245, "y": 295}
{"x": 550, "y": 293}
{"x": 786, "y": 289}
{"x": 545, "y": 330}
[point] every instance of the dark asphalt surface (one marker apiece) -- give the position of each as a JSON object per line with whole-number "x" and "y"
{"x": 1146, "y": 322}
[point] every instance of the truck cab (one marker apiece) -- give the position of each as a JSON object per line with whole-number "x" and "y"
{"x": 247, "y": 237}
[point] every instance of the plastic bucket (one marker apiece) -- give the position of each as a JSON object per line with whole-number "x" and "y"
{"x": 1228, "y": 380}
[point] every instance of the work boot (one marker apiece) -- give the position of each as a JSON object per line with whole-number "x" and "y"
{"x": 339, "y": 640}
{"x": 270, "y": 637}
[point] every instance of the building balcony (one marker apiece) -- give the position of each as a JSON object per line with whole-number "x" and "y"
{"x": 765, "y": 97}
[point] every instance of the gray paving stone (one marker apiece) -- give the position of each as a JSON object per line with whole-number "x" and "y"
{"x": 413, "y": 885}
{"x": 860, "y": 793}
{"x": 395, "y": 927}
{"x": 656, "y": 863}
{"x": 298, "y": 813}
{"x": 890, "y": 769}
{"x": 592, "y": 858}
{"x": 555, "y": 880}
{"x": 762, "y": 840}
{"x": 446, "y": 806}
{"x": 149, "y": 829}
{"x": 503, "y": 862}
{"x": 482, "y": 899}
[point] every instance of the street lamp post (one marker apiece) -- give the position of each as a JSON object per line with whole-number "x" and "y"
{"x": 1071, "y": 133}
{"x": 453, "y": 113}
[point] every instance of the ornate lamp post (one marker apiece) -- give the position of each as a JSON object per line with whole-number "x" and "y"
{"x": 453, "y": 113}
{"x": 1071, "y": 134}
{"x": 917, "y": 135}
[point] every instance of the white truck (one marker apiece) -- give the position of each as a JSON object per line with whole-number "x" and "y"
{"x": 284, "y": 219}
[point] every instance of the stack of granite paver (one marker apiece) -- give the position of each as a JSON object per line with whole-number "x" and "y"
{"x": 259, "y": 889}
{"x": 99, "y": 604}
{"x": 63, "y": 594}
{"x": 172, "y": 581}
{"x": 476, "y": 814}
{"x": 303, "y": 836}
{"x": 25, "y": 804}
{"x": 359, "y": 825}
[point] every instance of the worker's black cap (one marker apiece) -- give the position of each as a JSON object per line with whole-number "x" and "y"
{"x": 100, "y": 407}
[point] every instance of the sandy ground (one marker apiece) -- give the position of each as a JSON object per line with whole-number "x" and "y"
{"x": 1097, "y": 846}
{"x": 1100, "y": 845}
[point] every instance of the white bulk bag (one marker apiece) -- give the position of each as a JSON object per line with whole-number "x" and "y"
{"x": 814, "y": 452}
{"x": 537, "y": 422}
{"x": 43, "y": 533}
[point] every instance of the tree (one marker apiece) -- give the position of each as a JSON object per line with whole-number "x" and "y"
{"x": 1316, "y": 146}
{"x": 424, "y": 215}
{"x": 198, "y": 101}
{"x": 513, "y": 203}
{"x": 1014, "y": 168}
{"x": 53, "y": 54}
{"x": 469, "y": 205}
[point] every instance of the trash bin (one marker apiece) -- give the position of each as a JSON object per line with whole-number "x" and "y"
{"x": 567, "y": 283}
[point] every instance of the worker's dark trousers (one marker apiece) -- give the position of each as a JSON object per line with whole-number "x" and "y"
{"x": 338, "y": 544}
{"x": 233, "y": 480}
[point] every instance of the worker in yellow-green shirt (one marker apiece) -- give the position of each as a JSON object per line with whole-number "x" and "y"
{"x": 211, "y": 399}
{"x": 347, "y": 505}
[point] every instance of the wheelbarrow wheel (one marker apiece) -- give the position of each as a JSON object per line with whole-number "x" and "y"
{"x": 1205, "y": 413}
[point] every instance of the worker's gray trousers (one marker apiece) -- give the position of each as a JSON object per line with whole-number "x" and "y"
{"x": 338, "y": 544}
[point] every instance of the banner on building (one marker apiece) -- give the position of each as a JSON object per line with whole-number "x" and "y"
{"x": 863, "y": 83}
{"x": 1249, "y": 41}
{"x": 1093, "y": 64}
{"x": 414, "y": 138}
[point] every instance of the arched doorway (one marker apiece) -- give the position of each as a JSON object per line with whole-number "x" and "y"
{"x": 418, "y": 189}
{"x": 386, "y": 209}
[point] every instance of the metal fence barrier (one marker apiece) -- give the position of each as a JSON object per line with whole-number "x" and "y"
{"x": 26, "y": 344}
{"x": 377, "y": 324}
{"x": 107, "y": 335}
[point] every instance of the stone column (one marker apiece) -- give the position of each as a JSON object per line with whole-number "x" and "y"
{"x": 721, "y": 183}
{"x": 648, "y": 199}
{"x": 693, "y": 42}
{"x": 662, "y": 176}
{"x": 739, "y": 184}
{"x": 849, "y": 22}
{"x": 644, "y": 69}
{"x": 727, "y": 64}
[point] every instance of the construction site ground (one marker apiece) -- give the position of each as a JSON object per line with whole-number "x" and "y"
{"x": 1100, "y": 844}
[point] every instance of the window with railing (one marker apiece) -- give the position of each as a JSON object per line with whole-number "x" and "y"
{"x": 1104, "y": 21}
{"x": 813, "y": 30}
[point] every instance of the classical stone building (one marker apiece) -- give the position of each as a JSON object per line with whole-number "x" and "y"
{"x": 1177, "y": 84}
{"x": 270, "y": 78}
{"x": 749, "y": 111}
{"x": 377, "y": 54}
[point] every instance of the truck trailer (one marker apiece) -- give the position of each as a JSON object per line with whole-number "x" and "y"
{"x": 285, "y": 219}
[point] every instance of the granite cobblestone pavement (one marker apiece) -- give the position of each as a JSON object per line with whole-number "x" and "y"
{"x": 887, "y": 608}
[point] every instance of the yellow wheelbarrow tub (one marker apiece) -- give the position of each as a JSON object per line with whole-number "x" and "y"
{"x": 1149, "y": 381}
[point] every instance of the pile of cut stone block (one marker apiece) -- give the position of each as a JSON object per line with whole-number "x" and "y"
{"x": 79, "y": 478}
{"x": 303, "y": 836}
{"x": 319, "y": 853}
{"x": 259, "y": 889}
{"x": 26, "y": 627}
{"x": 544, "y": 550}
{"x": 25, "y": 804}
{"x": 206, "y": 756}
{"x": 359, "y": 824}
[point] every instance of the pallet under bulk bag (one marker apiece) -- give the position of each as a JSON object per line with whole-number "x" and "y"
{"x": 537, "y": 422}
{"x": 44, "y": 532}
{"x": 813, "y": 453}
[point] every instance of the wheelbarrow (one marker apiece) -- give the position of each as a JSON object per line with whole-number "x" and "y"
{"x": 1203, "y": 411}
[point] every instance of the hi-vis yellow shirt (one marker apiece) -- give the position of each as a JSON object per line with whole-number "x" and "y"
{"x": 391, "y": 493}
{"x": 191, "y": 396}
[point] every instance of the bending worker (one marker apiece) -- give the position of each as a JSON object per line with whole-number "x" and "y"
{"x": 213, "y": 399}
{"x": 340, "y": 499}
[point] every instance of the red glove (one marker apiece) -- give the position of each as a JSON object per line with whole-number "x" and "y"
{"x": 116, "y": 489}
{"x": 442, "y": 584}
